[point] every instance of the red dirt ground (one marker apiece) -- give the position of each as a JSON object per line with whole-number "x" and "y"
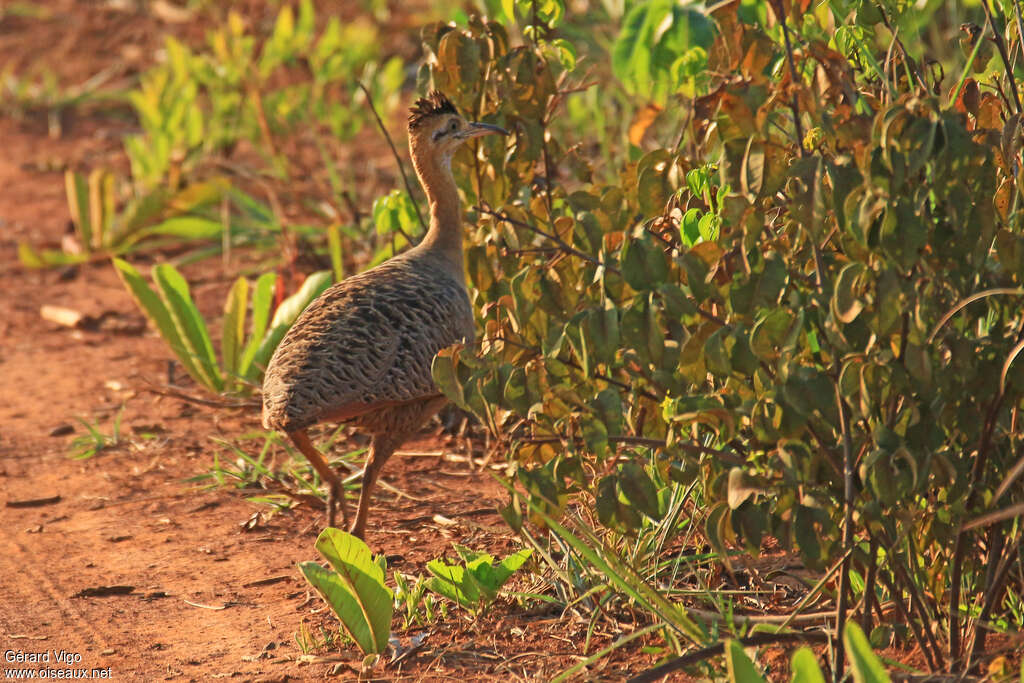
{"x": 207, "y": 598}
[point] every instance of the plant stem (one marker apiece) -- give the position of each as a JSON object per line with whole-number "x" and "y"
{"x": 780, "y": 9}
{"x": 997, "y": 37}
{"x": 401, "y": 166}
{"x": 715, "y": 650}
{"x": 844, "y": 573}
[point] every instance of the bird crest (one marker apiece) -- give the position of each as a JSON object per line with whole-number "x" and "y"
{"x": 425, "y": 107}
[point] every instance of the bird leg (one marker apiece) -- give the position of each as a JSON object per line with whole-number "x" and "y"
{"x": 335, "y": 488}
{"x": 381, "y": 448}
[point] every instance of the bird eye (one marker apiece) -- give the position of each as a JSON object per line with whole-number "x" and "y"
{"x": 455, "y": 124}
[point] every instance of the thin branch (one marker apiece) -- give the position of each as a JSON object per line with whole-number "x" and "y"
{"x": 565, "y": 246}
{"x": 910, "y": 621}
{"x": 715, "y": 650}
{"x": 794, "y": 104}
{"x": 693, "y": 449}
{"x": 569, "y": 249}
{"x": 956, "y": 572}
{"x": 398, "y": 160}
{"x": 997, "y": 38}
{"x": 844, "y": 574}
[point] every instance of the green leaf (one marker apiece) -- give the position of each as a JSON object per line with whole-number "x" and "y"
{"x": 654, "y": 35}
{"x": 233, "y": 328}
{"x": 334, "y": 249}
{"x": 174, "y": 291}
{"x": 770, "y": 332}
{"x": 77, "y": 189}
{"x": 805, "y": 667}
{"x": 452, "y": 582}
{"x": 446, "y": 377}
{"x": 355, "y": 590}
{"x": 639, "y": 489}
{"x": 262, "y": 298}
{"x": 739, "y": 666}
{"x": 285, "y": 316}
{"x": 160, "y": 315}
{"x": 865, "y": 664}
{"x": 510, "y": 565}
{"x": 186, "y": 227}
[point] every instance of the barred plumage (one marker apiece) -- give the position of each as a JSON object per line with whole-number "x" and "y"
{"x": 368, "y": 340}
{"x": 362, "y": 352}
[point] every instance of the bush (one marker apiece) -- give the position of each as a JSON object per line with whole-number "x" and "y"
{"x": 818, "y": 328}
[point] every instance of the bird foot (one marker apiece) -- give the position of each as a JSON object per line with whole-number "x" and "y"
{"x": 336, "y": 495}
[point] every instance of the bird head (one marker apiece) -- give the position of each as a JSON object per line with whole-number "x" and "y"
{"x": 436, "y": 128}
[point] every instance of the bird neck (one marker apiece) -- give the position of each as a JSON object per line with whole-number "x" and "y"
{"x": 444, "y": 235}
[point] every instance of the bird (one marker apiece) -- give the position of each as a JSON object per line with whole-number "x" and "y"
{"x": 361, "y": 353}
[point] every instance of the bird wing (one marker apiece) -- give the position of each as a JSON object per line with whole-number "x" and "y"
{"x": 365, "y": 343}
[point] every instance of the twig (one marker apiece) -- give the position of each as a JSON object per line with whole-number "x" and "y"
{"x": 715, "y": 650}
{"x": 566, "y": 247}
{"x": 398, "y": 160}
{"x": 844, "y": 573}
{"x": 997, "y": 38}
{"x": 914, "y": 625}
{"x": 695, "y": 449}
{"x": 173, "y": 392}
{"x": 998, "y": 576}
{"x": 912, "y": 74}
{"x": 958, "y": 548}
{"x": 794, "y": 104}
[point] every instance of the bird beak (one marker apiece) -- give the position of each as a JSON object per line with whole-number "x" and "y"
{"x": 475, "y": 130}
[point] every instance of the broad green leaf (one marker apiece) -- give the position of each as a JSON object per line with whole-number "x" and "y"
{"x": 510, "y": 565}
{"x": 191, "y": 327}
{"x": 285, "y": 317}
{"x": 452, "y": 582}
{"x": 865, "y": 664}
{"x": 159, "y": 314}
{"x": 639, "y": 489}
{"x": 262, "y": 298}
{"x": 77, "y": 189}
{"x": 446, "y": 378}
{"x": 233, "y": 327}
{"x": 805, "y": 667}
{"x": 654, "y": 35}
{"x": 739, "y": 666}
{"x": 355, "y": 590}
{"x": 186, "y": 227}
